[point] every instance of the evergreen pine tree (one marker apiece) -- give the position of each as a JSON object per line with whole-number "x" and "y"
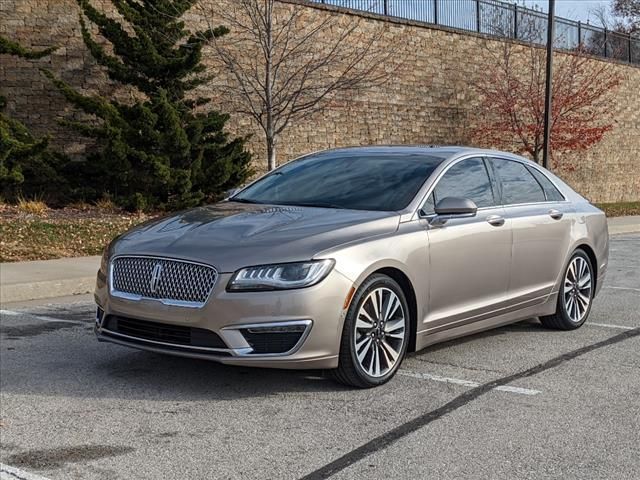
{"x": 159, "y": 151}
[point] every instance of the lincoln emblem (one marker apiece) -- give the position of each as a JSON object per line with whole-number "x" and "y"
{"x": 155, "y": 277}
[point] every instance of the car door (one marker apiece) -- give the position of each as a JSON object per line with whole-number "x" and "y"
{"x": 540, "y": 220}
{"x": 469, "y": 257}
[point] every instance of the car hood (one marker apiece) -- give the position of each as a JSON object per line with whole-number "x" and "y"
{"x": 232, "y": 235}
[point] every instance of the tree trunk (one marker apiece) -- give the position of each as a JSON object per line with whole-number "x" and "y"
{"x": 271, "y": 141}
{"x": 536, "y": 155}
{"x": 271, "y": 154}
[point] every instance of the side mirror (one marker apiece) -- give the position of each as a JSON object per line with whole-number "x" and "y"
{"x": 453, "y": 207}
{"x": 456, "y": 206}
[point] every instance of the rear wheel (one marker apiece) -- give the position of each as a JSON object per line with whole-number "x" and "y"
{"x": 375, "y": 334}
{"x": 575, "y": 296}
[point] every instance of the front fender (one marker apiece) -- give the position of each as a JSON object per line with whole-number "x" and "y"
{"x": 407, "y": 251}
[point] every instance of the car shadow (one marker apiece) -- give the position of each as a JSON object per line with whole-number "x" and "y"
{"x": 528, "y": 325}
{"x": 70, "y": 362}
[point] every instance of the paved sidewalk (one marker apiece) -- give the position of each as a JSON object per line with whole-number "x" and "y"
{"x": 618, "y": 225}
{"x": 24, "y": 281}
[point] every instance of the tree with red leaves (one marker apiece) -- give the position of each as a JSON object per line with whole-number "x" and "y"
{"x": 512, "y": 94}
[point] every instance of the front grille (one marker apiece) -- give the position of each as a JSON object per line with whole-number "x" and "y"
{"x": 163, "y": 279}
{"x": 162, "y": 332}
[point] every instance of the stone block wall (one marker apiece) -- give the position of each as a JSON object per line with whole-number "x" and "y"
{"x": 430, "y": 100}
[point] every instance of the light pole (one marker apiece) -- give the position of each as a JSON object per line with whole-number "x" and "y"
{"x": 549, "y": 80}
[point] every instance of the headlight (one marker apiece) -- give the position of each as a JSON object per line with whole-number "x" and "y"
{"x": 280, "y": 277}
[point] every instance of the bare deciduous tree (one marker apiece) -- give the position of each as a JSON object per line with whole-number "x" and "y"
{"x": 628, "y": 13}
{"x": 286, "y": 61}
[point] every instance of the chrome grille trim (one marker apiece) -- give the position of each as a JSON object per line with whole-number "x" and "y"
{"x": 182, "y": 283}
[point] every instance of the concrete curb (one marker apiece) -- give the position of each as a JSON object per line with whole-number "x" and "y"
{"x": 48, "y": 289}
{"x": 22, "y": 281}
{"x": 620, "y": 225}
{"x": 624, "y": 229}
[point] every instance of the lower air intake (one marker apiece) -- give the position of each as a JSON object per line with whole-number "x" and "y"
{"x": 162, "y": 332}
{"x": 268, "y": 340}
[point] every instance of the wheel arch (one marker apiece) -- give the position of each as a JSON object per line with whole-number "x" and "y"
{"x": 584, "y": 245}
{"x": 586, "y": 248}
{"x": 409, "y": 292}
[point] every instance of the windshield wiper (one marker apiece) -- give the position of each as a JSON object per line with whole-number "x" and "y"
{"x": 313, "y": 204}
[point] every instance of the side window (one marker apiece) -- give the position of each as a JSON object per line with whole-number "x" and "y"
{"x": 518, "y": 185}
{"x": 550, "y": 190}
{"x": 468, "y": 179}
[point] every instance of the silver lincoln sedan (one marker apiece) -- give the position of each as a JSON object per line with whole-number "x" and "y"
{"x": 347, "y": 259}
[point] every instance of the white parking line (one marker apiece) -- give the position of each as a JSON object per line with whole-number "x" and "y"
{"x": 609, "y": 325}
{"x": 466, "y": 383}
{"x": 7, "y": 472}
{"x": 11, "y": 313}
{"x": 623, "y": 288}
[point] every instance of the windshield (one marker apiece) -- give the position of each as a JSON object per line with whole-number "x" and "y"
{"x": 364, "y": 181}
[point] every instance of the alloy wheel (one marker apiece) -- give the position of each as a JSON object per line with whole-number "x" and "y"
{"x": 379, "y": 332}
{"x": 577, "y": 289}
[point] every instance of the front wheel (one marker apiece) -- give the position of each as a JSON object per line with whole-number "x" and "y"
{"x": 575, "y": 296}
{"x": 375, "y": 334}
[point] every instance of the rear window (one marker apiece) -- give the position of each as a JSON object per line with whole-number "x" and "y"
{"x": 360, "y": 181}
{"x": 550, "y": 190}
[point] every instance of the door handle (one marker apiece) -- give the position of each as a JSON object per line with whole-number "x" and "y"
{"x": 555, "y": 214}
{"x": 495, "y": 220}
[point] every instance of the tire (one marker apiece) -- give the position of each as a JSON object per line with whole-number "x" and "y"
{"x": 575, "y": 296}
{"x": 365, "y": 337}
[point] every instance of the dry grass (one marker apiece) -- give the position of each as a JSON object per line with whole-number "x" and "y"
{"x": 106, "y": 205}
{"x": 32, "y": 207}
{"x": 80, "y": 206}
{"x": 61, "y": 233}
{"x": 620, "y": 209}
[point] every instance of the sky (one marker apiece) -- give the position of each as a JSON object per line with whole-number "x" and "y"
{"x": 572, "y": 9}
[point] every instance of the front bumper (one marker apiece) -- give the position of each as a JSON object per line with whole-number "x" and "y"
{"x": 317, "y": 309}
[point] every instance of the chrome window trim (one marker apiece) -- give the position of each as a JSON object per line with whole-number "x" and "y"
{"x": 453, "y": 162}
{"x": 533, "y": 204}
{"x": 488, "y": 156}
{"x": 528, "y": 163}
{"x": 164, "y": 301}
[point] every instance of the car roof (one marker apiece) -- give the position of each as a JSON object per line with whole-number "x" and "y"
{"x": 444, "y": 152}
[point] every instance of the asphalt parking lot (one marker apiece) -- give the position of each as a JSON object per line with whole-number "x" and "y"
{"x": 516, "y": 402}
